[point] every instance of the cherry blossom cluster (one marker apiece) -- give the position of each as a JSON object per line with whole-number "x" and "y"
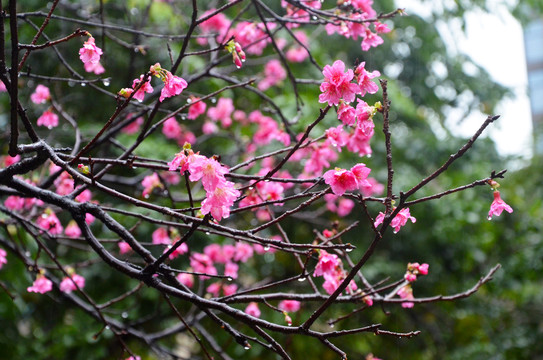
{"x": 42, "y": 284}
{"x": 41, "y": 96}
{"x": 357, "y": 11}
{"x": 405, "y": 291}
{"x": 173, "y": 85}
{"x": 220, "y": 193}
{"x": 90, "y": 56}
{"x": 399, "y": 220}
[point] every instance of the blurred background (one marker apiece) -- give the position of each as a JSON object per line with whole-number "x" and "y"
{"x": 449, "y": 65}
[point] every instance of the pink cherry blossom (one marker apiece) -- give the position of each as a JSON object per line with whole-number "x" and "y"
{"x": 340, "y": 180}
{"x": 186, "y": 279}
{"x": 336, "y": 137}
{"x": 298, "y": 53}
{"x": 196, "y": 109}
{"x": 41, "y": 95}
{"x": 133, "y": 127}
{"x": 406, "y": 293}
{"x": 423, "y": 269}
{"x": 149, "y": 183}
{"x": 171, "y": 128}
{"x": 48, "y": 119}
{"x": 361, "y": 172}
{"x": 72, "y": 230}
{"x": 69, "y": 284}
{"x": 274, "y": 73}
{"x": 345, "y": 206}
{"x": 124, "y": 247}
{"x": 3, "y": 87}
{"x": 201, "y": 263}
{"x": 49, "y": 222}
{"x": 229, "y": 289}
{"x": 9, "y": 160}
{"x": 95, "y": 68}
{"x": 289, "y": 305}
{"x": 253, "y": 310}
{"x": 243, "y": 252}
{"x": 498, "y": 205}
{"x": 209, "y": 170}
{"x": 14, "y": 203}
{"x": 3, "y": 259}
{"x": 359, "y": 142}
{"x": 371, "y": 40}
{"x": 90, "y": 52}
{"x": 337, "y": 84}
{"x": 180, "y": 250}
{"x": 328, "y": 263}
{"x": 231, "y": 269}
{"x": 222, "y": 112}
{"x": 160, "y": 236}
{"x": 346, "y": 113}
{"x": 217, "y": 23}
{"x": 41, "y": 285}
{"x": 89, "y": 218}
{"x": 364, "y": 79}
{"x": 145, "y": 88}
{"x": 173, "y": 85}
{"x": 252, "y": 36}
{"x": 399, "y": 220}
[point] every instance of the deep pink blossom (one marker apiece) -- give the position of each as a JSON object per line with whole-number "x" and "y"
{"x": 346, "y": 113}
{"x": 361, "y": 172}
{"x": 14, "y": 203}
{"x": 133, "y": 127}
{"x": 243, "y": 252}
{"x": 145, "y": 88}
{"x": 399, "y": 220}
{"x": 48, "y": 119}
{"x": 229, "y": 289}
{"x": 3, "y": 259}
{"x": 196, "y": 109}
{"x": 340, "y": 180}
{"x": 345, "y": 206}
{"x": 297, "y": 53}
{"x": 364, "y": 79}
{"x": 90, "y": 52}
{"x": 253, "y": 310}
{"x": 49, "y": 222}
{"x": 217, "y": 23}
{"x": 173, "y": 85}
{"x": 209, "y": 170}
{"x": 9, "y": 160}
{"x": 252, "y": 36}
{"x": 231, "y": 269}
{"x": 69, "y": 284}
{"x": 41, "y": 95}
{"x": 41, "y": 285}
{"x": 289, "y": 305}
{"x": 3, "y": 87}
{"x": 328, "y": 263}
{"x": 359, "y": 142}
{"x": 337, "y": 84}
{"x": 371, "y": 40}
{"x": 124, "y": 247}
{"x": 406, "y": 293}
{"x": 498, "y": 205}
{"x": 201, "y": 263}
{"x": 180, "y": 250}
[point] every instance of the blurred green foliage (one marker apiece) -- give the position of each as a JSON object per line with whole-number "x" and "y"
{"x": 501, "y": 321}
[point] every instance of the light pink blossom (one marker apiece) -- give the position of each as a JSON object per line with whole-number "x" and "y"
{"x": 171, "y": 128}
{"x": 90, "y": 52}
{"x": 145, "y": 88}
{"x": 253, "y": 310}
{"x": 173, "y": 85}
{"x": 337, "y": 84}
{"x": 72, "y": 230}
{"x": 209, "y": 170}
{"x": 274, "y": 73}
{"x": 149, "y": 183}
{"x": 222, "y": 112}
{"x": 186, "y": 279}
{"x": 160, "y": 236}
{"x": 41, "y": 95}
{"x": 364, "y": 79}
{"x": 124, "y": 247}
{"x": 196, "y": 109}
{"x": 48, "y": 119}
{"x": 69, "y": 284}
{"x": 399, "y": 220}
{"x": 95, "y": 68}
{"x": 3, "y": 257}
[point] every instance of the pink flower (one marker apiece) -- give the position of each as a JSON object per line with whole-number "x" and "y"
{"x": 274, "y": 73}
{"x": 298, "y": 53}
{"x": 423, "y": 269}
{"x": 133, "y": 358}
{"x": 399, "y": 220}
{"x": 160, "y": 236}
{"x": 10, "y": 160}
{"x": 72, "y": 230}
{"x": 289, "y": 305}
{"x": 345, "y": 206}
{"x": 197, "y": 108}
{"x": 180, "y": 250}
{"x": 90, "y": 52}
{"x": 364, "y": 79}
{"x": 361, "y": 172}
{"x": 95, "y": 68}
{"x": 346, "y": 113}
{"x": 337, "y": 84}
{"x": 336, "y": 137}
{"x": 229, "y": 289}
{"x": 186, "y": 279}
{"x": 49, "y": 222}
{"x": 498, "y": 205}
{"x": 368, "y": 300}
{"x": 214, "y": 289}
{"x": 89, "y": 218}
{"x": 149, "y": 183}
{"x": 48, "y": 119}
{"x": 145, "y": 88}
{"x": 253, "y": 310}
{"x": 124, "y": 247}
{"x": 340, "y": 180}
{"x": 406, "y": 293}
{"x": 3, "y": 256}
{"x": 15, "y": 203}
{"x": 371, "y": 40}
{"x": 218, "y": 23}
{"x": 243, "y": 252}
{"x": 222, "y": 112}
{"x": 40, "y": 95}
{"x": 3, "y": 87}
{"x": 133, "y": 127}
{"x": 41, "y": 285}
{"x": 201, "y": 263}
{"x": 209, "y": 170}
{"x": 171, "y": 128}
{"x": 328, "y": 264}
{"x": 374, "y": 187}
{"x": 69, "y": 284}
{"x": 173, "y": 85}
{"x": 231, "y": 269}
